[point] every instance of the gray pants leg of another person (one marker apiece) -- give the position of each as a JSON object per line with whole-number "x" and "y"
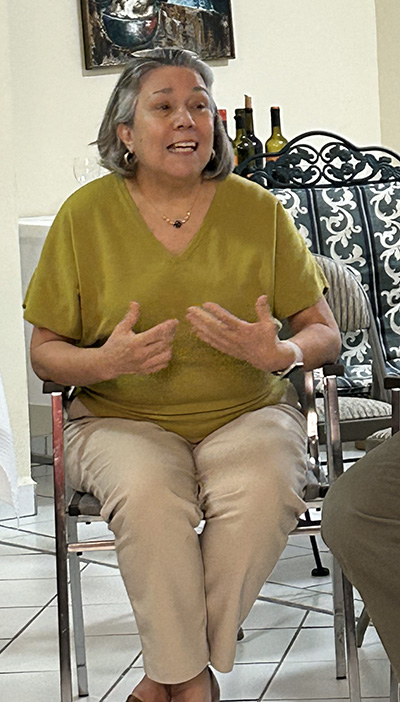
{"x": 361, "y": 526}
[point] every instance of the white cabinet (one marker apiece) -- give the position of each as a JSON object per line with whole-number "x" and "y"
{"x": 32, "y": 233}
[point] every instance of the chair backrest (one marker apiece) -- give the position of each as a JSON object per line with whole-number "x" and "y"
{"x": 345, "y": 202}
{"x": 346, "y": 297}
{"x": 352, "y": 310}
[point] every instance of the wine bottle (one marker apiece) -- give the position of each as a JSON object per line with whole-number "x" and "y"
{"x": 249, "y": 126}
{"x": 222, "y": 114}
{"x": 242, "y": 146}
{"x": 276, "y": 141}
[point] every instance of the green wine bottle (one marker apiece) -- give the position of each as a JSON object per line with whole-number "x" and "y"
{"x": 242, "y": 146}
{"x": 276, "y": 141}
{"x": 249, "y": 126}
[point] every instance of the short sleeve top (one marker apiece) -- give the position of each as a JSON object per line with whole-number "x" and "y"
{"x": 99, "y": 255}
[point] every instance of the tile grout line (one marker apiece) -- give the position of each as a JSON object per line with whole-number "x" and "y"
{"x": 120, "y": 677}
{"x": 278, "y": 667}
{"x": 35, "y": 549}
{"x": 28, "y": 532}
{"x": 28, "y": 624}
{"x": 21, "y": 631}
{"x": 295, "y": 605}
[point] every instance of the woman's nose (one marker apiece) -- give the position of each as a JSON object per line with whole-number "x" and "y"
{"x": 182, "y": 118}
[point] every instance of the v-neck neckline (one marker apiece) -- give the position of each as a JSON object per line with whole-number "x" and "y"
{"x": 196, "y": 238}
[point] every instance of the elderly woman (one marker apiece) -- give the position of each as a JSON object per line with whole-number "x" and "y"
{"x": 157, "y": 295}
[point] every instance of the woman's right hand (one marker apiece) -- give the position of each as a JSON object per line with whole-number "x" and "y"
{"x": 147, "y": 352}
{"x": 57, "y": 358}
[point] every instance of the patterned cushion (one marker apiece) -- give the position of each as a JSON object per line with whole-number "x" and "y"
{"x": 360, "y": 226}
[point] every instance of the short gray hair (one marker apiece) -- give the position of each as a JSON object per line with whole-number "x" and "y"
{"x": 122, "y": 104}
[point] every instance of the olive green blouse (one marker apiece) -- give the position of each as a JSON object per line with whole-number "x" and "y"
{"x": 99, "y": 254}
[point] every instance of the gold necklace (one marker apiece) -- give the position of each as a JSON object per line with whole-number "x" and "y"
{"x": 177, "y": 223}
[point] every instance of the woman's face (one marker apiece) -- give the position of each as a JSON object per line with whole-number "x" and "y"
{"x": 173, "y": 128}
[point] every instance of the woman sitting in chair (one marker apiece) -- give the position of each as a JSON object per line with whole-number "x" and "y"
{"x": 157, "y": 295}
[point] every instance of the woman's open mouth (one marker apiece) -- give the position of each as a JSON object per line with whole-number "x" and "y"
{"x": 182, "y": 147}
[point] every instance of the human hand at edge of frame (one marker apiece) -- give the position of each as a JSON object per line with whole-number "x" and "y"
{"x": 126, "y": 351}
{"x": 254, "y": 342}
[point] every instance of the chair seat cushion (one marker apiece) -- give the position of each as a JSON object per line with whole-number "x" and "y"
{"x": 356, "y": 408}
{"x": 84, "y": 503}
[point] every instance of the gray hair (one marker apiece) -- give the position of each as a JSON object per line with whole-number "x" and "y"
{"x": 122, "y": 104}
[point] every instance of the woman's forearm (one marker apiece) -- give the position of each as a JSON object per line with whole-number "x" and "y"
{"x": 319, "y": 343}
{"x": 64, "y": 363}
{"x": 57, "y": 358}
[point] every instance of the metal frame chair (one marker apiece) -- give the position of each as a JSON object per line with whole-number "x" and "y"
{"x": 343, "y": 199}
{"x": 353, "y": 313}
{"x": 83, "y": 507}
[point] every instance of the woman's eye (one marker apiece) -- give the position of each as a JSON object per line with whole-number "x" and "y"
{"x": 200, "y": 106}
{"x": 162, "y": 107}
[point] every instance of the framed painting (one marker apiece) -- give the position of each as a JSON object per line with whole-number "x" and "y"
{"x": 114, "y": 29}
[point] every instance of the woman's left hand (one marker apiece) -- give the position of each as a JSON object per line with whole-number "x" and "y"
{"x": 254, "y": 342}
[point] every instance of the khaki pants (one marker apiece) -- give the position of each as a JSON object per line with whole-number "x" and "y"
{"x": 189, "y": 593}
{"x": 361, "y": 525}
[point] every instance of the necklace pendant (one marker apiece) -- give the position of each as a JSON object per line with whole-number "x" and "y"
{"x": 177, "y": 224}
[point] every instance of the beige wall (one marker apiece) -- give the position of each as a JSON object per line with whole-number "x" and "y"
{"x": 318, "y": 60}
{"x": 388, "y": 40}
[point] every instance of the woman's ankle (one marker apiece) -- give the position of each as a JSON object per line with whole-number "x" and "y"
{"x": 150, "y": 691}
{"x": 197, "y": 689}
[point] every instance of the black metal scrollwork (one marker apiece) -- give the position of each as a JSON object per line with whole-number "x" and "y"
{"x": 335, "y": 163}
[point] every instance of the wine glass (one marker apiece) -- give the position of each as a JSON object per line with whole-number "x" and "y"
{"x": 86, "y": 168}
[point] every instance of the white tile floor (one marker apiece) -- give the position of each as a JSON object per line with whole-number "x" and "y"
{"x": 287, "y": 652}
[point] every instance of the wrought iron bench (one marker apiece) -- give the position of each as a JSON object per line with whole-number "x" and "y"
{"x": 345, "y": 202}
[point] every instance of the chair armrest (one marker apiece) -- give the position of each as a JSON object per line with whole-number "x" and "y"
{"x": 332, "y": 369}
{"x": 391, "y": 382}
{"x": 49, "y": 387}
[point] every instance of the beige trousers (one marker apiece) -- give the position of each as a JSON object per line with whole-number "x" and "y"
{"x": 189, "y": 593}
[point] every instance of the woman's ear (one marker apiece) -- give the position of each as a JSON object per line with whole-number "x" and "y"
{"x": 125, "y": 134}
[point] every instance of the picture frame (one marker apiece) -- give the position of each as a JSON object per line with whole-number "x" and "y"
{"x": 114, "y": 29}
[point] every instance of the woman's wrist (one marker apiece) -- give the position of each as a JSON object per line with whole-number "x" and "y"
{"x": 291, "y": 356}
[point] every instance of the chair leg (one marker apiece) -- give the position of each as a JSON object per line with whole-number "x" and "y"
{"x": 338, "y": 620}
{"x": 394, "y": 687}
{"x": 61, "y": 551}
{"x": 319, "y": 570}
{"x": 361, "y": 627}
{"x": 353, "y": 671}
{"x": 63, "y": 625}
{"x": 77, "y": 613}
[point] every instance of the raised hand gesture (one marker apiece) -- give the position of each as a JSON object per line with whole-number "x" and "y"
{"x": 143, "y": 353}
{"x": 254, "y": 342}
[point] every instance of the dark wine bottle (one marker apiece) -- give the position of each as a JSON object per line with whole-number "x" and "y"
{"x": 249, "y": 126}
{"x": 242, "y": 146}
{"x": 276, "y": 141}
